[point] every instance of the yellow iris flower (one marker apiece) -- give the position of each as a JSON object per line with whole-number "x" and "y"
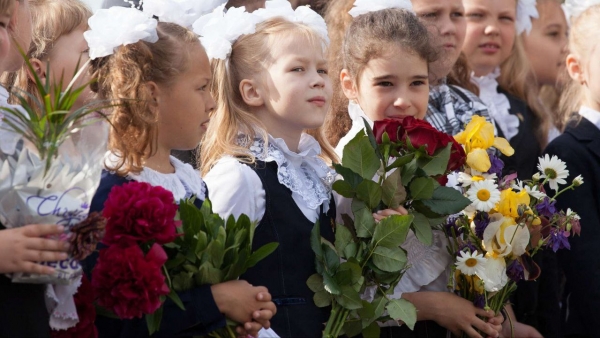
{"x": 510, "y": 201}
{"x": 477, "y": 138}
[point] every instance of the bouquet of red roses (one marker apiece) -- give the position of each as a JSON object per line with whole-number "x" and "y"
{"x": 399, "y": 163}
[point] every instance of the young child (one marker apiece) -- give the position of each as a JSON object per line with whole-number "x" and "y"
{"x": 578, "y": 147}
{"x": 377, "y": 89}
{"x": 162, "y": 92}
{"x": 22, "y": 306}
{"x": 502, "y": 72}
{"x": 259, "y": 161}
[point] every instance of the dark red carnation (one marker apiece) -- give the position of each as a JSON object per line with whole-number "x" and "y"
{"x": 86, "y": 311}
{"x": 129, "y": 283}
{"x": 421, "y": 133}
{"x": 140, "y": 212}
{"x": 393, "y": 127}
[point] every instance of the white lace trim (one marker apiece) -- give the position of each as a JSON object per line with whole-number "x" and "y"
{"x": 183, "y": 183}
{"x": 498, "y": 104}
{"x": 61, "y": 305}
{"x": 304, "y": 173}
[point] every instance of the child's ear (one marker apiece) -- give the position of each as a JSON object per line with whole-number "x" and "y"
{"x": 154, "y": 91}
{"x": 348, "y": 85}
{"x": 40, "y": 70}
{"x": 575, "y": 68}
{"x": 251, "y": 94}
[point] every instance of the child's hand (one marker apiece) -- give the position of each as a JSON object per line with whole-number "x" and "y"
{"x": 497, "y": 322}
{"x": 244, "y": 303}
{"x": 520, "y": 330}
{"x": 388, "y": 212}
{"x": 21, "y": 249}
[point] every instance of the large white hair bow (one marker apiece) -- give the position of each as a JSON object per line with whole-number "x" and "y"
{"x": 181, "y": 12}
{"x": 526, "y": 9}
{"x": 118, "y": 26}
{"x": 219, "y": 30}
{"x": 302, "y": 14}
{"x": 365, "y": 6}
{"x": 574, "y": 8}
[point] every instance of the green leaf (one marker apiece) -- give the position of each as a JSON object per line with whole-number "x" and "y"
{"x": 421, "y": 188}
{"x": 348, "y": 274}
{"x": 446, "y": 201}
{"x": 343, "y": 237}
{"x": 104, "y": 312}
{"x": 370, "y": 193}
{"x": 422, "y": 228}
{"x": 366, "y": 313}
{"x": 348, "y": 175}
{"x": 372, "y": 331}
{"x": 215, "y": 252}
{"x": 408, "y": 172}
{"x": 261, "y": 253}
{"x": 353, "y": 327}
{"x": 349, "y": 298}
{"x": 393, "y": 192}
{"x": 343, "y": 188}
{"x": 322, "y": 299}
{"x": 372, "y": 139}
{"x": 175, "y": 298}
{"x": 400, "y": 161}
{"x": 438, "y": 164}
{"x": 392, "y": 230}
{"x": 315, "y": 241}
{"x": 153, "y": 320}
{"x": 208, "y": 275}
{"x": 359, "y": 156}
{"x": 389, "y": 259}
{"x": 331, "y": 285}
{"x": 401, "y": 309}
{"x": 315, "y": 283}
{"x": 364, "y": 223}
{"x": 379, "y": 304}
{"x": 202, "y": 241}
{"x": 332, "y": 260}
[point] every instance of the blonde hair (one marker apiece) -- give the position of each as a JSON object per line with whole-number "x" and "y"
{"x": 232, "y": 116}
{"x": 50, "y": 19}
{"x": 583, "y": 30}
{"x": 121, "y": 79}
{"x": 516, "y": 77}
{"x": 6, "y": 6}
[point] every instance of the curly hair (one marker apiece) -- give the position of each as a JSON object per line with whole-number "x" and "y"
{"x": 122, "y": 79}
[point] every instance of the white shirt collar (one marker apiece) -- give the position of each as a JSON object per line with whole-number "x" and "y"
{"x": 591, "y": 115}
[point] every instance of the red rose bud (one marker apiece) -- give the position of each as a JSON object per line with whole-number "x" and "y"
{"x": 458, "y": 157}
{"x": 86, "y": 311}
{"x": 393, "y": 127}
{"x": 138, "y": 212}
{"x": 421, "y": 133}
{"x": 128, "y": 282}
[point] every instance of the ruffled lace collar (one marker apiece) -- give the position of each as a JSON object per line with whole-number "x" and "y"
{"x": 498, "y": 104}
{"x": 304, "y": 173}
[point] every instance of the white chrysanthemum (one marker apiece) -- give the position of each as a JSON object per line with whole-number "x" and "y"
{"x": 365, "y": 6}
{"x": 532, "y": 191}
{"x": 554, "y": 170}
{"x": 484, "y": 195}
{"x": 577, "y": 181}
{"x": 471, "y": 263}
{"x": 466, "y": 180}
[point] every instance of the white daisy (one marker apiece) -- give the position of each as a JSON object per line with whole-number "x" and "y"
{"x": 532, "y": 191}
{"x": 466, "y": 180}
{"x": 554, "y": 170}
{"x": 471, "y": 263}
{"x": 484, "y": 195}
{"x": 577, "y": 181}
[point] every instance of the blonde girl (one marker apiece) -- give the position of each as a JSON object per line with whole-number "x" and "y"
{"x": 577, "y": 147}
{"x": 259, "y": 159}
{"x": 161, "y": 90}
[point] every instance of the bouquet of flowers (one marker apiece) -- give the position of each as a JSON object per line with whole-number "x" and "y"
{"x": 400, "y": 163}
{"x": 151, "y": 255}
{"x": 507, "y": 222}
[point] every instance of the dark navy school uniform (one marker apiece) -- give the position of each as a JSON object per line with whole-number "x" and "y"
{"x": 200, "y": 317}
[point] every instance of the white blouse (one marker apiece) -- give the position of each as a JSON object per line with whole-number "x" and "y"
{"x": 498, "y": 104}
{"x": 590, "y": 115}
{"x": 356, "y": 115}
{"x": 235, "y": 188}
{"x": 8, "y": 139}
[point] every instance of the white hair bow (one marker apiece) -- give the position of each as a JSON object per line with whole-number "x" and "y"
{"x": 526, "y": 9}
{"x": 574, "y": 8}
{"x": 181, "y": 12}
{"x": 365, "y": 6}
{"x": 118, "y": 26}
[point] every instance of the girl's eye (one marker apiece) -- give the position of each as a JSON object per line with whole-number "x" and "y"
{"x": 458, "y": 14}
{"x": 85, "y": 51}
{"x": 507, "y": 18}
{"x": 203, "y": 88}
{"x": 322, "y": 71}
{"x": 431, "y": 15}
{"x": 298, "y": 69}
{"x": 418, "y": 83}
{"x": 554, "y": 34}
{"x": 384, "y": 84}
{"x": 474, "y": 15}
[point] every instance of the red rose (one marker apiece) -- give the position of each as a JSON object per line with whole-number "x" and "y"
{"x": 129, "y": 283}
{"x": 86, "y": 311}
{"x": 442, "y": 180}
{"x": 393, "y": 127}
{"x": 457, "y": 156}
{"x": 421, "y": 133}
{"x": 140, "y": 212}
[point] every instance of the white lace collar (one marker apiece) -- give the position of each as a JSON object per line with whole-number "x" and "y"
{"x": 304, "y": 173}
{"x": 498, "y": 104}
{"x": 185, "y": 182}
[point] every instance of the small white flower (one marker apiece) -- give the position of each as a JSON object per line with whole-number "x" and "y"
{"x": 532, "y": 191}
{"x": 494, "y": 278}
{"x": 577, "y": 181}
{"x": 466, "y": 180}
{"x": 484, "y": 195}
{"x": 471, "y": 263}
{"x": 572, "y": 214}
{"x": 554, "y": 170}
{"x": 536, "y": 177}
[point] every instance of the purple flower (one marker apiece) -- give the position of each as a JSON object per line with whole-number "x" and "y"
{"x": 466, "y": 247}
{"x": 546, "y": 208}
{"x": 479, "y": 301}
{"x": 497, "y": 165}
{"x": 481, "y": 220}
{"x": 559, "y": 239}
{"x": 514, "y": 271}
{"x": 451, "y": 228}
